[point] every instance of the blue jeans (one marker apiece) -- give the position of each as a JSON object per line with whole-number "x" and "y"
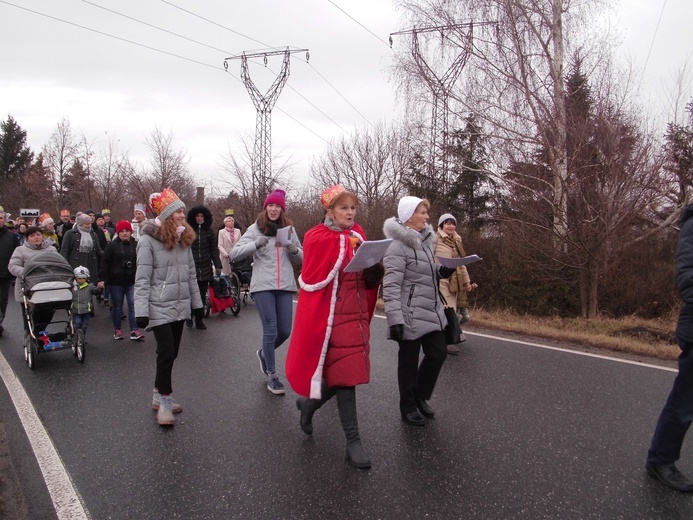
{"x": 117, "y": 293}
{"x": 276, "y": 310}
{"x": 81, "y": 321}
{"x": 677, "y": 414}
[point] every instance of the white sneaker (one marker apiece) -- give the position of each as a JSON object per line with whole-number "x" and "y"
{"x": 156, "y": 402}
{"x": 165, "y": 414}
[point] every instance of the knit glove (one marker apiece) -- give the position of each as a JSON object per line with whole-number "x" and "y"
{"x": 397, "y": 332}
{"x": 291, "y": 248}
{"x": 142, "y": 322}
{"x": 261, "y": 242}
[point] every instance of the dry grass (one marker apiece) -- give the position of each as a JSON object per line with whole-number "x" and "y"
{"x": 629, "y": 335}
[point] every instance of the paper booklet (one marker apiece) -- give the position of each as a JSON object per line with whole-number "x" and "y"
{"x": 369, "y": 253}
{"x": 283, "y": 237}
{"x": 456, "y": 262}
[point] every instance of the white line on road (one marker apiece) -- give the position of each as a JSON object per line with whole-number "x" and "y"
{"x": 566, "y": 350}
{"x": 66, "y": 501}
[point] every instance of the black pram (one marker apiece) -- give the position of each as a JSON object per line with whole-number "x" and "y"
{"x": 47, "y": 281}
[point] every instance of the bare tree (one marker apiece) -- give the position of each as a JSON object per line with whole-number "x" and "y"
{"x": 110, "y": 174}
{"x": 59, "y": 155}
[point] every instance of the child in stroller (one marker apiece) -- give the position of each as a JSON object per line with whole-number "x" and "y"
{"x": 45, "y": 283}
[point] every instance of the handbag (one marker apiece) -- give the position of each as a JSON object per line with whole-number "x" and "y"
{"x": 453, "y": 331}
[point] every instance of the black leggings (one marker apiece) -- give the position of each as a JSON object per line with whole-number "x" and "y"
{"x": 168, "y": 338}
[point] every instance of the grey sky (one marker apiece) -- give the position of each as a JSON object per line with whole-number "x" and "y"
{"x": 50, "y": 69}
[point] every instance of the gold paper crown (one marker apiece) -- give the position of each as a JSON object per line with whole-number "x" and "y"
{"x": 105, "y": 211}
{"x": 64, "y": 212}
{"x": 160, "y": 201}
{"x": 228, "y": 212}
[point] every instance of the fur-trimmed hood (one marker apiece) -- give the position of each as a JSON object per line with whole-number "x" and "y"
{"x": 412, "y": 238}
{"x": 207, "y": 224}
{"x": 148, "y": 227}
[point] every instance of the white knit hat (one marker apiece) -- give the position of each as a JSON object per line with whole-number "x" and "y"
{"x": 406, "y": 207}
{"x": 444, "y": 217}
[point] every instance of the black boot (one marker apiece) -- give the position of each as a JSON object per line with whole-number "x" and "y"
{"x": 346, "y": 403}
{"x": 200, "y": 324}
{"x": 309, "y": 406}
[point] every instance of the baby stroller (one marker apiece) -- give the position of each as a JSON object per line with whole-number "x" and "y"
{"x": 223, "y": 294}
{"x": 46, "y": 289}
{"x": 243, "y": 269}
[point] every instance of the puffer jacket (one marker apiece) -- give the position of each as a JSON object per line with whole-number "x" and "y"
{"x": 9, "y": 241}
{"x": 82, "y": 296}
{"x": 116, "y": 257}
{"x": 410, "y": 286}
{"x": 19, "y": 259}
{"x": 205, "y": 249}
{"x": 165, "y": 282}
{"x": 272, "y": 266}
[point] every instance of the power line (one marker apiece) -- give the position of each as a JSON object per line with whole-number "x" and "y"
{"x": 661, "y": 13}
{"x": 154, "y": 26}
{"x": 359, "y": 23}
{"x": 110, "y": 35}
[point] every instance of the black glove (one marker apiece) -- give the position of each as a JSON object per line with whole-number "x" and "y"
{"x": 199, "y": 313}
{"x": 446, "y": 272}
{"x": 142, "y": 322}
{"x": 261, "y": 242}
{"x": 397, "y": 332}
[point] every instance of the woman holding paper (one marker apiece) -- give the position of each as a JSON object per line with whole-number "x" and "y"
{"x": 274, "y": 245}
{"x": 414, "y": 307}
{"x": 448, "y": 244}
{"x": 329, "y": 350}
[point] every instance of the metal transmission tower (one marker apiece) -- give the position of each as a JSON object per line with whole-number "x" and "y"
{"x": 440, "y": 85}
{"x": 262, "y": 150}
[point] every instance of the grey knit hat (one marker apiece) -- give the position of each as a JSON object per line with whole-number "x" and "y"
{"x": 444, "y": 217}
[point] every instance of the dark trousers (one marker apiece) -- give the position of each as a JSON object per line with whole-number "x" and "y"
{"x": 677, "y": 414}
{"x": 4, "y": 295}
{"x": 417, "y": 381}
{"x": 203, "y": 285}
{"x": 168, "y": 338}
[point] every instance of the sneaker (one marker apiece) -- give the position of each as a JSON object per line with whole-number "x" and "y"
{"x": 463, "y": 315}
{"x": 136, "y": 335}
{"x": 263, "y": 365}
{"x": 118, "y": 334}
{"x": 156, "y": 403}
{"x": 164, "y": 416}
{"x": 274, "y": 385}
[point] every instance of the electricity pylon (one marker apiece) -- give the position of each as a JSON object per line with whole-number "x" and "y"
{"x": 440, "y": 85}
{"x": 262, "y": 150}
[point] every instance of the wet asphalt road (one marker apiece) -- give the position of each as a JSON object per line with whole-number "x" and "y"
{"x": 520, "y": 432}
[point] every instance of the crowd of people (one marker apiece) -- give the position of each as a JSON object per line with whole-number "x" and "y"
{"x": 162, "y": 267}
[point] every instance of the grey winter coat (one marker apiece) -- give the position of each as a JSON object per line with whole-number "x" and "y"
{"x": 82, "y": 296}
{"x": 272, "y": 266}
{"x": 19, "y": 258}
{"x": 410, "y": 286}
{"x": 165, "y": 282}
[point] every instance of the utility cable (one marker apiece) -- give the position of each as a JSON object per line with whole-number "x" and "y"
{"x": 154, "y": 26}
{"x": 359, "y": 23}
{"x": 661, "y": 13}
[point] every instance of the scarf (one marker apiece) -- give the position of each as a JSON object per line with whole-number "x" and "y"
{"x": 179, "y": 229}
{"x": 86, "y": 244}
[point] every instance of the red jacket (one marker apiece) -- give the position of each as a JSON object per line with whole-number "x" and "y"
{"x": 330, "y": 338}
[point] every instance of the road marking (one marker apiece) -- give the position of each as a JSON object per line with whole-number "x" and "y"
{"x": 67, "y": 503}
{"x": 566, "y": 350}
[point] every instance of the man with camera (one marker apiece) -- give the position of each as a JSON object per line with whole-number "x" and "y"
{"x": 117, "y": 270}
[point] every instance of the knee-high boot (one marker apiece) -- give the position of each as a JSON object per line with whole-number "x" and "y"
{"x": 308, "y": 407}
{"x": 346, "y": 403}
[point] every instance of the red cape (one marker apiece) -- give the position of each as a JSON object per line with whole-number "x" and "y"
{"x": 313, "y": 321}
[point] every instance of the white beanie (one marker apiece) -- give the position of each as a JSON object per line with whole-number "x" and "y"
{"x": 406, "y": 207}
{"x": 444, "y": 217}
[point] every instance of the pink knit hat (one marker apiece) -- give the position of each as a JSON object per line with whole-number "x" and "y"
{"x": 276, "y": 197}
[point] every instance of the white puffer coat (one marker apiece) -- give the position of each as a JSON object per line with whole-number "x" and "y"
{"x": 410, "y": 286}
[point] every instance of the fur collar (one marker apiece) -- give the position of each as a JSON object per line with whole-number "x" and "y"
{"x": 397, "y": 231}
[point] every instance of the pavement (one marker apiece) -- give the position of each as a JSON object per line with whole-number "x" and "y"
{"x": 520, "y": 432}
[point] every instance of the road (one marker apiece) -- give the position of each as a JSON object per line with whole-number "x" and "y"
{"x": 520, "y": 432}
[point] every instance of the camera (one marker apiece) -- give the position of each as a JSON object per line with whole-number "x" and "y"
{"x": 127, "y": 264}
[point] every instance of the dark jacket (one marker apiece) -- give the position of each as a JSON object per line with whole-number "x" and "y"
{"x": 103, "y": 241}
{"x": 204, "y": 249}
{"x": 119, "y": 262}
{"x": 70, "y": 251}
{"x": 684, "y": 275}
{"x": 9, "y": 241}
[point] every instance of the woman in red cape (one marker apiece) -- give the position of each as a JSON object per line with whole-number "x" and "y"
{"x": 329, "y": 350}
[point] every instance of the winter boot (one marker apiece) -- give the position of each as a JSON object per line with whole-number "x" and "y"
{"x": 156, "y": 402}
{"x": 165, "y": 414}
{"x": 199, "y": 324}
{"x": 309, "y": 406}
{"x": 346, "y": 403}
